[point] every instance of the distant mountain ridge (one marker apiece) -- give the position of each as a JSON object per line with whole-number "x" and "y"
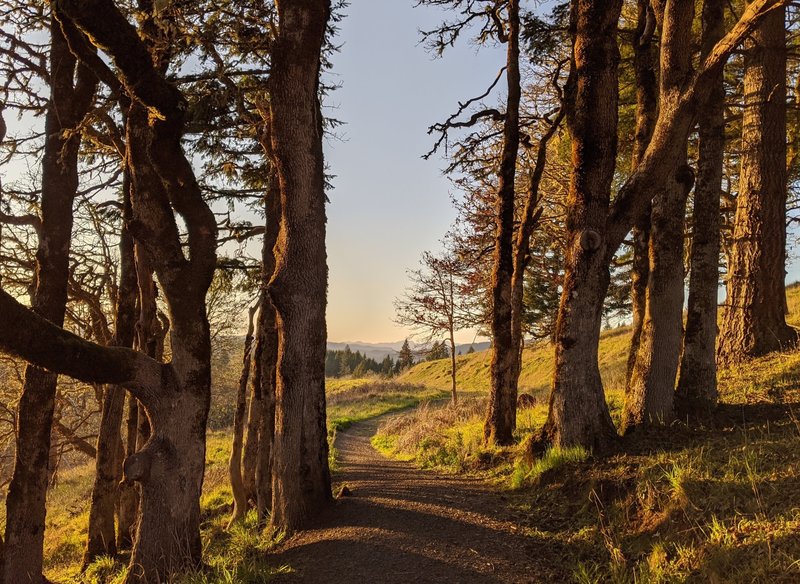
{"x": 379, "y": 351}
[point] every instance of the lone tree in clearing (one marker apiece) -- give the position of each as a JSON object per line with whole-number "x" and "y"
{"x": 433, "y": 304}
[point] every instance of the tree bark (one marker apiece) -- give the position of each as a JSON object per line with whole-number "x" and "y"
{"x": 25, "y": 504}
{"x": 301, "y": 477}
{"x": 645, "y": 64}
{"x": 268, "y": 344}
{"x": 255, "y": 411}
{"x": 453, "y": 368}
{"x": 128, "y": 502}
{"x": 578, "y": 411}
{"x": 501, "y": 418}
{"x": 754, "y": 314}
{"x": 235, "y": 461}
{"x": 101, "y": 539}
{"x": 697, "y": 381}
{"x": 650, "y": 395}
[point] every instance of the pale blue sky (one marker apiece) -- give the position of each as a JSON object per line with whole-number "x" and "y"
{"x": 388, "y": 205}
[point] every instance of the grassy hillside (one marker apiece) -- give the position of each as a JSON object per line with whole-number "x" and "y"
{"x": 537, "y": 367}
{"x": 716, "y": 503}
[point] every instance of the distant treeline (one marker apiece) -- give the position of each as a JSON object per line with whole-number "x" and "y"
{"x": 357, "y": 364}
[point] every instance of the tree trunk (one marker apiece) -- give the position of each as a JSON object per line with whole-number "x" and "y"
{"x": 650, "y": 397}
{"x": 101, "y": 539}
{"x": 697, "y": 382}
{"x": 501, "y": 418}
{"x": 235, "y": 462}
{"x": 645, "y": 64}
{"x": 578, "y": 411}
{"x": 530, "y": 219}
{"x": 255, "y": 411}
{"x": 453, "y": 368}
{"x": 128, "y": 503}
{"x": 25, "y": 504}
{"x": 754, "y": 314}
{"x": 267, "y": 342}
{"x": 301, "y": 477}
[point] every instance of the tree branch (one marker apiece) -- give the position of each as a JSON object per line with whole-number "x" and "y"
{"x": 27, "y": 335}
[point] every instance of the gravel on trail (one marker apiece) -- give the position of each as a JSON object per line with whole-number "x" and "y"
{"x": 402, "y": 524}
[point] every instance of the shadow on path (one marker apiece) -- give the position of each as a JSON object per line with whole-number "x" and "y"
{"x": 402, "y": 524}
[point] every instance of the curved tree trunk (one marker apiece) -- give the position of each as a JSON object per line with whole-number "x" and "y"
{"x": 235, "y": 461}
{"x": 697, "y": 382}
{"x": 101, "y": 539}
{"x": 301, "y": 477}
{"x": 25, "y": 504}
{"x": 501, "y": 418}
{"x": 578, "y": 411}
{"x": 754, "y": 314}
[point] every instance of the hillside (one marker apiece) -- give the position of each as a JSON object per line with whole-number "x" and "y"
{"x": 539, "y": 360}
{"x": 719, "y": 502}
{"x": 537, "y": 368}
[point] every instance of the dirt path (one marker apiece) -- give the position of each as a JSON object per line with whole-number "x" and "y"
{"x": 402, "y": 525}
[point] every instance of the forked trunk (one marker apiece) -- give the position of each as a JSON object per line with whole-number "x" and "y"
{"x": 501, "y": 418}
{"x": 301, "y": 477}
{"x": 697, "y": 381}
{"x": 650, "y": 394}
{"x": 754, "y": 315}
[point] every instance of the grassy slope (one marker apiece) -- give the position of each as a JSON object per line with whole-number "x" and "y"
{"x": 710, "y": 504}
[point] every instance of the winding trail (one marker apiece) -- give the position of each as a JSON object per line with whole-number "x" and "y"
{"x": 402, "y": 524}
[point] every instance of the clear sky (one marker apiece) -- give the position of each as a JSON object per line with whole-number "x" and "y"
{"x": 389, "y": 205}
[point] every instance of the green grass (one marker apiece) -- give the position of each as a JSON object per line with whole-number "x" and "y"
{"x": 718, "y": 503}
{"x": 355, "y": 400}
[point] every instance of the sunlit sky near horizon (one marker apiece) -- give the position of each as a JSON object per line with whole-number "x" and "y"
{"x": 388, "y": 204}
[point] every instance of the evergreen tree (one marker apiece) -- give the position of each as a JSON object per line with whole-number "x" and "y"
{"x": 406, "y": 357}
